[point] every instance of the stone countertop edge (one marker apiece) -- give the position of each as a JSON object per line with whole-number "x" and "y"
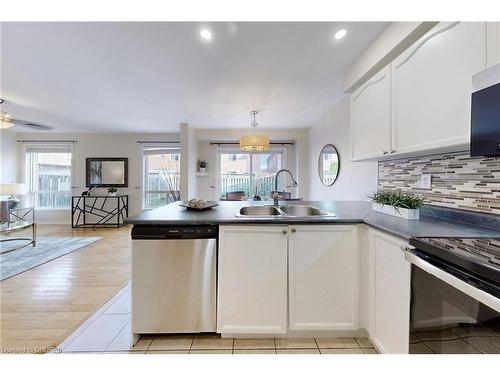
{"x": 347, "y": 212}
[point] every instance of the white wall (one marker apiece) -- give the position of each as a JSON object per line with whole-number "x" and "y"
{"x": 297, "y": 156}
{"x": 189, "y": 155}
{"x": 356, "y": 179}
{"x": 98, "y": 145}
{"x": 8, "y": 151}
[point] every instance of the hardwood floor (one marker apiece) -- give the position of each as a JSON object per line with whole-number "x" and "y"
{"x": 41, "y": 307}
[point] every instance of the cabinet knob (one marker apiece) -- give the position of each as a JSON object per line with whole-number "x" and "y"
{"x": 393, "y": 151}
{"x": 283, "y": 231}
{"x": 293, "y": 230}
{"x": 407, "y": 247}
{"x": 385, "y": 152}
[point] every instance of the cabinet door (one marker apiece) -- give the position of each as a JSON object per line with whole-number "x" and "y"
{"x": 323, "y": 277}
{"x": 370, "y": 117}
{"x": 252, "y": 280}
{"x": 431, "y": 87}
{"x": 391, "y": 292}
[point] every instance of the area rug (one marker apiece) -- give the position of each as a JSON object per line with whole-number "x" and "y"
{"x": 46, "y": 249}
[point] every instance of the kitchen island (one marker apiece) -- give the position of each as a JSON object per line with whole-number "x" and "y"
{"x": 343, "y": 273}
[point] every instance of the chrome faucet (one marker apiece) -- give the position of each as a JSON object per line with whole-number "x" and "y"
{"x": 276, "y": 194}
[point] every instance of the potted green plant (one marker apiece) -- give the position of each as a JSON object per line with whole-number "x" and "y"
{"x": 202, "y": 166}
{"x": 397, "y": 203}
{"x": 112, "y": 191}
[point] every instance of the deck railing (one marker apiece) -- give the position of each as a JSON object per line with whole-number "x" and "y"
{"x": 242, "y": 182}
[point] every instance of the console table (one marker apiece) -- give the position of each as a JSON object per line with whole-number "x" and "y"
{"x": 102, "y": 210}
{"x": 19, "y": 218}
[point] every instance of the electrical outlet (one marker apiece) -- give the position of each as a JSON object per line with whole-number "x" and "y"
{"x": 425, "y": 181}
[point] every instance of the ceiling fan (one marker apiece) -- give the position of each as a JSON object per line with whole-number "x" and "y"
{"x": 6, "y": 121}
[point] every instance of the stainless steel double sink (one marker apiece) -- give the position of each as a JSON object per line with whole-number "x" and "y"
{"x": 277, "y": 211}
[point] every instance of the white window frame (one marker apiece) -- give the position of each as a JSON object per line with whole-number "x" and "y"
{"x": 235, "y": 150}
{"x": 27, "y": 169}
{"x": 166, "y": 150}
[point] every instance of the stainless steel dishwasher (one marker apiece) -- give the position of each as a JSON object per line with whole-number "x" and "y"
{"x": 173, "y": 279}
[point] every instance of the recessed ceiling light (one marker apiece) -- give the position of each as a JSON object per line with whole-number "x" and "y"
{"x": 206, "y": 34}
{"x": 340, "y": 34}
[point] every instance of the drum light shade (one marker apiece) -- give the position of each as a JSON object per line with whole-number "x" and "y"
{"x": 254, "y": 142}
{"x": 6, "y": 125}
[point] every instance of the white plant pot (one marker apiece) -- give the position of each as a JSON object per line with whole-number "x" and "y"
{"x": 404, "y": 213}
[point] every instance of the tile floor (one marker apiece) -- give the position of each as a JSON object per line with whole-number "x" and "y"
{"x": 108, "y": 332}
{"x": 457, "y": 340}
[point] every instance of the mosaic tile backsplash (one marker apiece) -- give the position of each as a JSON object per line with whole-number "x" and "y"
{"x": 458, "y": 180}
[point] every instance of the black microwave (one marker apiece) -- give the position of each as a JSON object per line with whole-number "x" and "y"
{"x": 485, "y": 122}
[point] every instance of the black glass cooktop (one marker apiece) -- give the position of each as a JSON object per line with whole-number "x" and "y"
{"x": 476, "y": 256}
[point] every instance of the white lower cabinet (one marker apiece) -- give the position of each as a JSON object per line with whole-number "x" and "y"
{"x": 252, "y": 279}
{"x": 272, "y": 279}
{"x": 323, "y": 277}
{"x": 389, "y": 293}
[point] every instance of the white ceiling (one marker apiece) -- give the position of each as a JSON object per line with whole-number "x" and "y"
{"x": 149, "y": 77}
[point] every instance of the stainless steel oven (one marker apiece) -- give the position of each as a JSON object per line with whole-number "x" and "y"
{"x": 455, "y": 296}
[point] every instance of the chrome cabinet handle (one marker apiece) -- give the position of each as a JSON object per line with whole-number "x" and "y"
{"x": 293, "y": 230}
{"x": 284, "y": 232}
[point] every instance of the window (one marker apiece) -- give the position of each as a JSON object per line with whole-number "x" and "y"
{"x": 48, "y": 175}
{"x": 161, "y": 175}
{"x": 249, "y": 172}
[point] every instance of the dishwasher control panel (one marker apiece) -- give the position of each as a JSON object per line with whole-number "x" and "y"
{"x": 167, "y": 232}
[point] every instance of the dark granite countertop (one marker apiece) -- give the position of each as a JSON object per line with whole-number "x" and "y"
{"x": 347, "y": 212}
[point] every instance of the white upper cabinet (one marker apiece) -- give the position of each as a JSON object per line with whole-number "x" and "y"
{"x": 323, "y": 277}
{"x": 252, "y": 280}
{"x": 371, "y": 117}
{"x": 431, "y": 87}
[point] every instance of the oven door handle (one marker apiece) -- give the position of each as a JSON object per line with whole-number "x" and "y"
{"x": 478, "y": 294}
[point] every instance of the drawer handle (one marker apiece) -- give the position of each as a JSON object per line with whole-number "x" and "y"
{"x": 293, "y": 230}
{"x": 283, "y": 231}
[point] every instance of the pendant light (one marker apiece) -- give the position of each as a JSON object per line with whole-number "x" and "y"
{"x": 254, "y": 142}
{"x": 5, "y": 120}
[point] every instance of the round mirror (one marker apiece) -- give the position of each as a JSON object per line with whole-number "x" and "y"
{"x": 328, "y": 165}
